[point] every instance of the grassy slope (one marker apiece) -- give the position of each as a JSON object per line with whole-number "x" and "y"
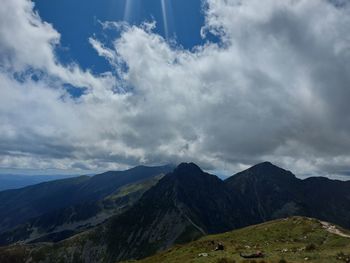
{"x": 138, "y": 187}
{"x": 294, "y": 239}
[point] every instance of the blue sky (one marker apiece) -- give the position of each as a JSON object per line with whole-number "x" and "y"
{"x": 78, "y": 20}
{"x": 88, "y": 86}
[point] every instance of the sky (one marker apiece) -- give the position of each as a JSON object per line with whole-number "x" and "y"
{"x": 100, "y": 85}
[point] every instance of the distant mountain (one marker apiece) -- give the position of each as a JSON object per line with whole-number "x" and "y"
{"x": 189, "y": 203}
{"x": 271, "y": 192}
{"x": 16, "y": 181}
{"x": 47, "y": 206}
{"x": 63, "y": 223}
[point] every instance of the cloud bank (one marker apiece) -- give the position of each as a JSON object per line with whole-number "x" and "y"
{"x": 275, "y": 88}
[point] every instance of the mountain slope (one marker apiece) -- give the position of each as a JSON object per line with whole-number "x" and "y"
{"x": 54, "y": 201}
{"x": 328, "y": 200}
{"x": 271, "y": 192}
{"x": 66, "y": 222}
{"x": 295, "y": 240}
{"x": 184, "y": 205}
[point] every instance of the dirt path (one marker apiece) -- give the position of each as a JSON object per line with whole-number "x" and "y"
{"x": 333, "y": 229}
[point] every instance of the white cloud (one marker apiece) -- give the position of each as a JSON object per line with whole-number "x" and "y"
{"x": 27, "y": 42}
{"x": 275, "y": 89}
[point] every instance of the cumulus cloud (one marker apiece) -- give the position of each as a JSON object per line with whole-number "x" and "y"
{"x": 275, "y": 88}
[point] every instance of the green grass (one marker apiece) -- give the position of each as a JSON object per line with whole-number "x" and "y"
{"x": 291, "y": 240}
{"x": 142, "y": 187}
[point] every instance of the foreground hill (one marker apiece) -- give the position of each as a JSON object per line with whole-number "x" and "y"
{"x": 295, "y": 240}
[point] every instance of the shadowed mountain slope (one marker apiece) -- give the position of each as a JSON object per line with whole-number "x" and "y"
{"x": 184, "y": 205}
{"x": 271, "y": 192}
{"x": 53, "y": 200}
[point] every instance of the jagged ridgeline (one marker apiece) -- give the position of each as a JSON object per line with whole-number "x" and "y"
{"x": 138, "y": 218}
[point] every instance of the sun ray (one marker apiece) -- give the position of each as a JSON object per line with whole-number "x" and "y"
{"x": 128, "y": 10}
{"x": 165, "y": 17}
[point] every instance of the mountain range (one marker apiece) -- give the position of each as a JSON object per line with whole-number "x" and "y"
{"x": 16, "y": 181}
{"x": 58, "y": 209}
{"x": 170, "y": 206}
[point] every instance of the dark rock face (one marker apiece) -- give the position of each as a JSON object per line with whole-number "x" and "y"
{"x": 268, "y": 191}
{"x": 271, "y": 192}
{"x": 184, "y": 205}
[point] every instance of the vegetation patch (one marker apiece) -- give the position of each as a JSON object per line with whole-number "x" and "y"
{"x": 292, "y": 240}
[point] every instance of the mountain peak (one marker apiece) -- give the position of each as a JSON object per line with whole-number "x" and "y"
{"x": 265, "y": 170}
{"x": 267, "y": 163}
{"x": 265, "y": 166}
{"x": 188, "y": 168}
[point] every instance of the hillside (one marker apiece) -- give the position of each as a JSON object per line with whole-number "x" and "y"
{"x": 66, "y": 222}
{"x": 271, "y": 192}
{"x": 296, "y": 239}
{"x": 186, "y": 204}
{"x": 55, "y": 210}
